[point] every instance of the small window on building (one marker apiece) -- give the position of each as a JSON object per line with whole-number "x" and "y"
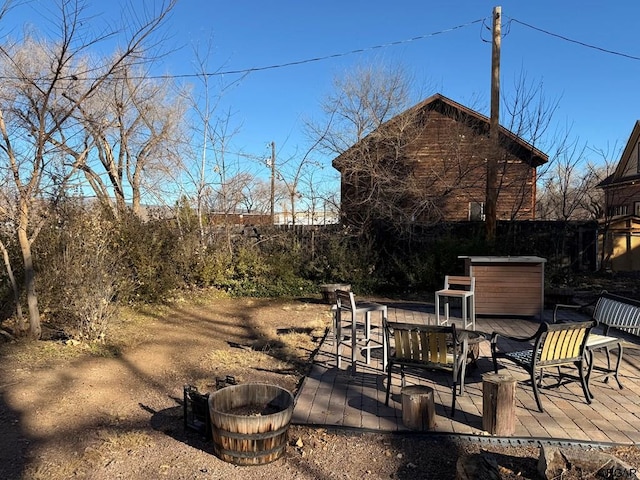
{"x": 638, "y": 150}
{"x": 636, "y": 209}
{"x": 476, "y": 211}
{"x": 617, "y": 210}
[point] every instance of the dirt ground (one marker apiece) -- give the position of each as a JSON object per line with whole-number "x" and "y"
{"x": 69, "y": 410}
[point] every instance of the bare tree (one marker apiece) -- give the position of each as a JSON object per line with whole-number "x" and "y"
{"x": 362, "y": 101}
{"x": 597, "y": 202}
{"x": 565, "y": 184}
{"x": 231, "y": 196}
{"x": 370, "y": 158}
{"x": 592, "y": 199}
{"x": 290, "y": 174}
{"x": 318, "y": 197}
{"x": 135, "y": 125}
{"x": 570, "y": 190}
{"x": 528, "y": 114}
{"x": 256, "y": 195}
{"x": 209, "y": 127}
{"x": 45, "y": 83}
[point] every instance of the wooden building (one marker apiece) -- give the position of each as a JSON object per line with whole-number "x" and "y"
{"x": 620, "y": 238}
{"x": 620, "y": 229}
{"x": 428, "y": 164}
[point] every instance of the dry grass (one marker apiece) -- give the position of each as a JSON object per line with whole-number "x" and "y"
{"x": 106, "y": 413}
{"x": 126, "y": 332}
{"x": 118, "y": 441}
{"x": 241, "y": 358}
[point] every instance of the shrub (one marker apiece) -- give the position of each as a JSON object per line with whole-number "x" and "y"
{"x": 147, "y": 251}
{"x": 251, "y": 271}
{"x": 341, "y": 258}
{"x": 78, "y": 272}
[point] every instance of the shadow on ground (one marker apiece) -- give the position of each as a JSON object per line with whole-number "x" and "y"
{"x": 426, "y": 456}
{"x": 170, "y": 421}
{"x": 14, "y": 445}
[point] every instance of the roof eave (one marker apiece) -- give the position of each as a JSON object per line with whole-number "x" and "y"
{"x": 537, "y": 158}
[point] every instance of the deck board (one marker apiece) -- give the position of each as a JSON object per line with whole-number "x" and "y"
{"x": 340, "y": 398}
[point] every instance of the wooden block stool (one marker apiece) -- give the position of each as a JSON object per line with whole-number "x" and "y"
{"x": 499, "y": 404}
{"x": 418, "y": 408}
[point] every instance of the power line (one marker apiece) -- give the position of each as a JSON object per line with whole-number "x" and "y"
{"x": 366, "y": 49}
{"x": 578, "y": 42}
{"x": 334, "y": 55}
{"x": 296, "y": 62}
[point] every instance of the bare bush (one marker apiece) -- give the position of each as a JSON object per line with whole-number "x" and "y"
{"x": 80, "y": 273}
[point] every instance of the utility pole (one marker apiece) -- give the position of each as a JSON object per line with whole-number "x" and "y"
{"x": 494, "y": 126}
{"x": 273, "y": 182}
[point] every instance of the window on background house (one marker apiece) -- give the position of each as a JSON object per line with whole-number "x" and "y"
{"x": 476, "y": 211}
{"x": 636, "y": 209}
{"x": 616, "y": 210}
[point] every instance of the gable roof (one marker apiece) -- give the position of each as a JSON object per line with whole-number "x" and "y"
{"x": 618, "y": 177}
{"x": 440, "y": 102}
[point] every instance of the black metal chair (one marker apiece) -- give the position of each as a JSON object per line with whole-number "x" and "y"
{"x": 430, "y": 347}
{"x": 553, "y": 345}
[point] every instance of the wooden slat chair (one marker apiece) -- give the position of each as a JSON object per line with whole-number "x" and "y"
{"x": 554, "y": 345}
{"x": 430, "y": 347}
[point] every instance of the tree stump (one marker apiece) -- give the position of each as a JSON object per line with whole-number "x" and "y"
{"x": 499, "y": 404}
{"x": 418, "y": 408}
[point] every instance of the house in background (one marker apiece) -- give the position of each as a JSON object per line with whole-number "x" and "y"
{"x": 428, "y": 165}
{"x": 619, "y": 232}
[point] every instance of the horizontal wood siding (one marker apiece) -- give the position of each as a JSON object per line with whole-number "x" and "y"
{"x": 446, "y": 154}
{"x": 622, "y": 194}
{"x": 509, "y": 288}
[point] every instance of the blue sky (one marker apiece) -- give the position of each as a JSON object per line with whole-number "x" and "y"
{"x": 596, "y": 91}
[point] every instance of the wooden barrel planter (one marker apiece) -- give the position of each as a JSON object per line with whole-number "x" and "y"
{"x": 329, "y": 291}
{"x": 250, "y": 422}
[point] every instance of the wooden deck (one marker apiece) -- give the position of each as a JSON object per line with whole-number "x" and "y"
{"x": 335, "y": 397}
